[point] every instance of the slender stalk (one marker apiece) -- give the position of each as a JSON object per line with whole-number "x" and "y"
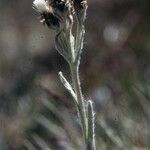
{"x": 88, "y": 130}
{"x": 91, "y": 127}
{"x": 81, "y": 103}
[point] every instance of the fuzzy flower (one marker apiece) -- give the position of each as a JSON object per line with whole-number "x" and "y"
{"x": 53, "y": 12}
{"x": 41, "y": 6}
{"x": 46, "y": 13}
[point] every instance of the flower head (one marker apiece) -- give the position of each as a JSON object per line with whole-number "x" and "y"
{"x": 46, "y": 12}
{"x": 41, "y": 6}
{"x": 53, "y": 12}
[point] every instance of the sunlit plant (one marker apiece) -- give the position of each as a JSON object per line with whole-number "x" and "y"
{"x": 61, "y": 16}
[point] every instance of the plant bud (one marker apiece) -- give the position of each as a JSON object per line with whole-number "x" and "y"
{"x": 53, "y": 13}
{"x": 47, "y": 15}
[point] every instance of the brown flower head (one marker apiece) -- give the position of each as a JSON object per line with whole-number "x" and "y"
{"x": 53, "y": 12}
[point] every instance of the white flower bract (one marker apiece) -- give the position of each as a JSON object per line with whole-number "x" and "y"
{"x": 41, "y": 6}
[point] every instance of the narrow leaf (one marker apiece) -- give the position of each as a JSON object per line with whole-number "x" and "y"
{"x": 67, "y": 86}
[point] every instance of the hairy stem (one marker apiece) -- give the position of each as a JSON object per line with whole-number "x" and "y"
{"x": 81, "y": 103}
{"x": 91, "y": 126}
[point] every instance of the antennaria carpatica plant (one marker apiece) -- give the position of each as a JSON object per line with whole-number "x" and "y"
{"x": 61, "y": 15}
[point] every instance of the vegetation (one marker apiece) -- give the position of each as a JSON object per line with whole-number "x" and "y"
{"x": 36, "y": 111}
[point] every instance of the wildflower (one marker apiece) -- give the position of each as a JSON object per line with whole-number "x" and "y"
{"x": 41, "y": 6}
{"x": 58, "y": 14}
{"x": 53, "y": 12}
{"x": 46, "y": 14}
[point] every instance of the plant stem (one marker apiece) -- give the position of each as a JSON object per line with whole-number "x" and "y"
{"x": 81, "y": 103}
{"x": 91, "y": 126}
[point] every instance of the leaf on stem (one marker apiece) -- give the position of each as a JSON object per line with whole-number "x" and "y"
{"x": 67, "y": 86}
{"x": 62, "y": 45}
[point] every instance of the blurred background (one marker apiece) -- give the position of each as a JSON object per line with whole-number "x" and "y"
{"x": 37, "y": 113}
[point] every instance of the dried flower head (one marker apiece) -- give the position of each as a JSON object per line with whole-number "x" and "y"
{"x": 46, "y": 13}
{"x": 53, "y": 12}
{"x": 41, "y": 6}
